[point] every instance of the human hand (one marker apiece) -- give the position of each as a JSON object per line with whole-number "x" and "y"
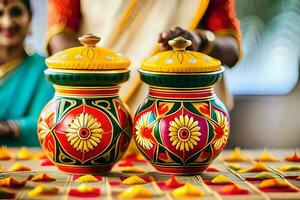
{"x": 164, "y": 37}
{"x": 6, "y": 130}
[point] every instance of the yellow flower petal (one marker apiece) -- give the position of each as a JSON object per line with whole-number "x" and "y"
{"x": 86, "y": 178}
{"x": 220, "y": 179}
{"x": 133, "y": 180}
{"x": 137, "y": 191}
{"x": 188, "y": 190}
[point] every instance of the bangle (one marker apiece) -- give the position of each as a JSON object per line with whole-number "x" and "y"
{"x": 207, "y": 38}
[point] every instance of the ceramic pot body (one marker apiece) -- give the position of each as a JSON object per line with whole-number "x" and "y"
{"x": 182, "y": 126}
{"x": 85, "y": 128}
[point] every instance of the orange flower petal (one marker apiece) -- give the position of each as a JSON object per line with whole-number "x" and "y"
{"x": 266, "y": 157}
{"x": 236, "y": 156}
{"x": 11, "y": 182}
{"x": 257, "y": 167}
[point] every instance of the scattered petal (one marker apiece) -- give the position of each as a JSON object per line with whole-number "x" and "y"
{"x": 188, "y": 190}
{"x": 18, "y": 167}
{"x": 11, "y": 182}
{"x": 265, "y": 175}
{"x": 289, "y": 168}
{"x": 132, "y": 180}
{"x": 292, "y": 158}
{"x": 266, "y": 157}
{"x": 274, "y": 182}
{"x": 85, "y": 191}
{"x": 234, "y": 166}
{"x": 173, "y": 183}
{"x": 5, "y": 154}
{"x": 136, "y": 191}
{"x": 236, "y": 156}
{"x": 233, "y": 190}
{"x": 24, "y": 154}
{"x": 257, "y": 167}
{"x": 220, "y": 179}
{"x": 41, "y": 156}
{"x": 42, "y": 190}
{"x": 41, "y": 177}
{"x": 88, "y": 178}
{"x": 46, "y": 162}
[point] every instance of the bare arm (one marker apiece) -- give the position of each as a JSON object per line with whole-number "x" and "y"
{"x": 62, "y": 41}
{"x": 224, "y": 47}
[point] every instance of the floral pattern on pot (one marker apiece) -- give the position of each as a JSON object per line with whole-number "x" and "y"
{"x": 182, "y": 134}
{"x": 85, "y": 132}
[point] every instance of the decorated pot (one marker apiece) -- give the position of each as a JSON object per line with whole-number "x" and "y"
{"x": 181, "y": 126}
{"x": 85, "y": 128}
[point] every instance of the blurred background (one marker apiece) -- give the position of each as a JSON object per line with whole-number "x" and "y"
{"x": 265, "y": 83}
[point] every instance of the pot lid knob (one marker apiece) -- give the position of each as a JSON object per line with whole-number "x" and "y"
{"x": 179, "y": 43}
{"x": 89, "y": 40}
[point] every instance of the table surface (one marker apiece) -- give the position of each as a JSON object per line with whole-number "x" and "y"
{"x": 65, "y": 182}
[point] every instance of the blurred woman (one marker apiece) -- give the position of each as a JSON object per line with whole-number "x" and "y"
{"x": 23, "y": 88}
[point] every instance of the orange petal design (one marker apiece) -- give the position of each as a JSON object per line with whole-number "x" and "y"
{"x": 137, "y": 191}
{"x": 132, "y": 170}
{"x": 220, "y": 179}
{"x": 24, "y": 154}
{"x": 257, "y": 167}
{"x": 274, "y": 182}
{"x": 18, "y": 167}
{"x": 42, "y": 190}
{"x": 86, "y": 178}
{"x": 188, "y": 190}
{"x": 289, "y": 168}
{"x": 236, "y": 156}
{"x": 293, "y": 158}
{"x": 132, "y": 180}
{"x": 266, "y": 157}
{"x": 42, "y": 177}
{"x": 5, "y": 154}
{"x": 11, "y": 182}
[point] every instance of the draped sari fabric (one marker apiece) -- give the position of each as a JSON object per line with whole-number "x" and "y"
{"x": 132, "y": 27}
{"x": 23, "y": 94}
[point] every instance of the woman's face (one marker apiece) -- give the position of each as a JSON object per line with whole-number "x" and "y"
{"x": 14, "y": 22}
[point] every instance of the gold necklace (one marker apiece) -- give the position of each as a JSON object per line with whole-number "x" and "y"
{"x": 9, "y": 66}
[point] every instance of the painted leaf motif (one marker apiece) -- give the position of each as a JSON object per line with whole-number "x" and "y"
{"x": 163, "y": 108}
{"x": 203, "y": 108}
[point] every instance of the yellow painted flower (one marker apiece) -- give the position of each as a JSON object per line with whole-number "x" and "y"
{"x": 222, "y": 132}
{"x": 85, "y": 132}
{"x": 143, "y": 133}
{"x": 184, "y": 133}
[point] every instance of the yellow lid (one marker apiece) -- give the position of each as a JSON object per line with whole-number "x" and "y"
{"x": 88, "y": 57}
{"x": 180, "y": 60}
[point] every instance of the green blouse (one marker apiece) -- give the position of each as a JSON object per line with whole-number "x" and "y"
{"x": 23, "y": 94}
